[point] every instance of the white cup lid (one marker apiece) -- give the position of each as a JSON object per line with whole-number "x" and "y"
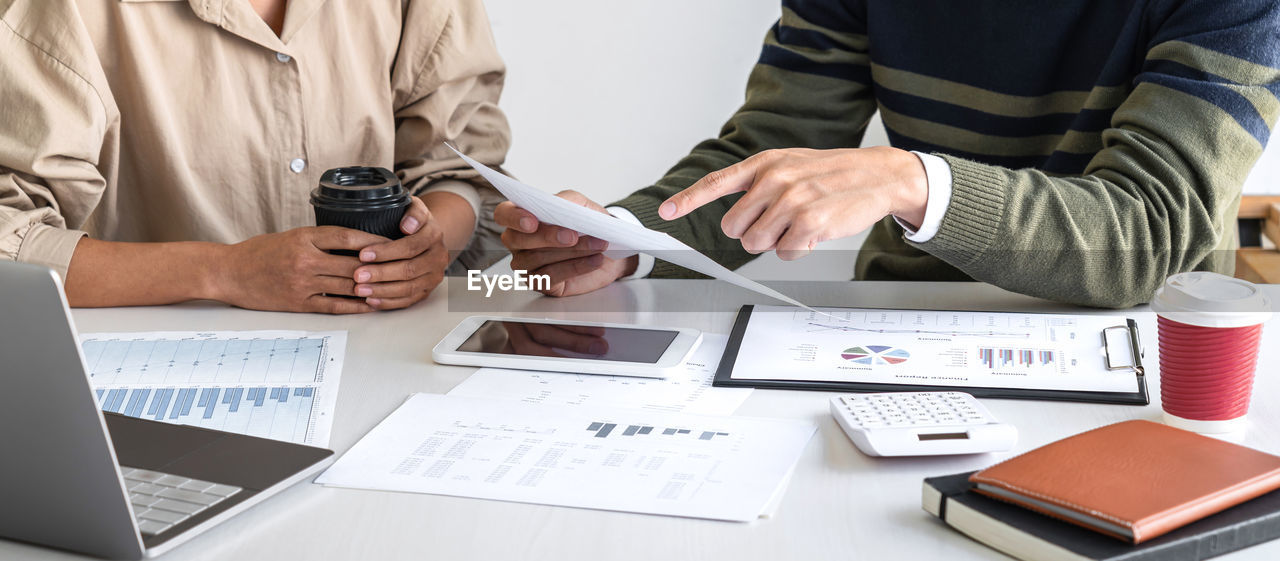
{"x": 1209, "y": 299}
{"x": 1206, "y": 427}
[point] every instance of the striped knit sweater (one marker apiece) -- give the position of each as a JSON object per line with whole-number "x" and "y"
{"x": 1096, "y": 146}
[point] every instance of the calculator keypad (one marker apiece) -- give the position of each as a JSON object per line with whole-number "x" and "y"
{"x": 926, "y": 409}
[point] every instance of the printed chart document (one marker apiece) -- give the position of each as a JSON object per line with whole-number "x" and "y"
{"x": 687, "y": 392}
{"x": 272, "y": 384}
{"x": 724, "y": 468}
{"x": 624, "y": 237}
{"x": 936, "y": 348}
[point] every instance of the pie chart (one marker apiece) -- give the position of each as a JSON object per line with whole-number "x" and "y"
{"x": 875, "y": 355}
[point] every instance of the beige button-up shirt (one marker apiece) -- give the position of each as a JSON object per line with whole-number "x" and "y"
{"x": 168, "y": 120}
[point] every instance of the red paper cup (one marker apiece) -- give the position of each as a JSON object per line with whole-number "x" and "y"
{"x": 1209, "y": 327}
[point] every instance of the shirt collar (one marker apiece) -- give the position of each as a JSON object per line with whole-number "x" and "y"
{"x": 238, "y": 17}
{"x": 298, "y": 14}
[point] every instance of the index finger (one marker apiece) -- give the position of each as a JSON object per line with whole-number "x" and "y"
{"x": 337, "y": 237}
{"x": 407, "y": 247}
{"x": 508, "y": 215}
{"x": 733, "y": 179}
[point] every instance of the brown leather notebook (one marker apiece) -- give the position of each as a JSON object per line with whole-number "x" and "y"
{"x": 1133, "y": 480}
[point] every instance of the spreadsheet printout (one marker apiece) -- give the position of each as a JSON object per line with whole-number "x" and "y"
{"x": 687, "y": 391}
{"x": 272, "y": 384}
{"x": 631, "y": 460}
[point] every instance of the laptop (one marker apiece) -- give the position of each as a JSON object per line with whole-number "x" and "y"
{"x": 75, "y": 478}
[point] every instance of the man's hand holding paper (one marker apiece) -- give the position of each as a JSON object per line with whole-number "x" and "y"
{"x": 576, "y": 263}
{"x": 579, "y": 221}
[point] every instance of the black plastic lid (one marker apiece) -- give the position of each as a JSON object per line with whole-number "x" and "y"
{"x": 359, "y": 189}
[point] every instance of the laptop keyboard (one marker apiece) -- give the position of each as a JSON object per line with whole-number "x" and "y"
{"x": 162, "y": 500}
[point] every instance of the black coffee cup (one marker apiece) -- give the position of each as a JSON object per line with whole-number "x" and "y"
{"x": 363, "y": 198}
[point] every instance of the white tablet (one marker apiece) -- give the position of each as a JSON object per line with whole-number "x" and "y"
{"x": 567, "y": 346}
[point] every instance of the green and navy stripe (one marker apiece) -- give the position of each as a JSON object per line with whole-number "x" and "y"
{"x": 1033, "y": 84}
{"x": 1096, "y": 146}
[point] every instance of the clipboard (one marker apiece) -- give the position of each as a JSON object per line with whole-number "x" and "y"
{"x": 1122, "y": 355}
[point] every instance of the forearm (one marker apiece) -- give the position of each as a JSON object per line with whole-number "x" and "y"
{"x": 105, "y": 274}
{"x": 455, "y": 216}
{"x": 1099, "y": 240}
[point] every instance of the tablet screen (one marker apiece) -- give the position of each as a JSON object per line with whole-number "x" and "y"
{"x": 569, "y": 341}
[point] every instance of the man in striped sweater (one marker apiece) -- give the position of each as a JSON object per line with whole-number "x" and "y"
{"x": 1079, "y": 151}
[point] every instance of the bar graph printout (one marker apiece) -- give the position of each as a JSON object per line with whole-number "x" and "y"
{"x": 633, "y": 460}
{"x": 272, "y": 384}
{"x": 936, "y": 348}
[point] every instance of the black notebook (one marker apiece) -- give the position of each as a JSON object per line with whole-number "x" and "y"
{"x": 1032, "y": 536}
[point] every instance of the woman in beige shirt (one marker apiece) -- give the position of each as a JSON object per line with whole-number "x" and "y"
{"x": 155, "y": 151}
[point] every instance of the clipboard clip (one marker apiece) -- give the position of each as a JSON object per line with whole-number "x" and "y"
{"x": 1135, "y": 347}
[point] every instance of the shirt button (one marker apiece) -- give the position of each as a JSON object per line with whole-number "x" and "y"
{"x": 297, "y": 165}
{"x": 283, "y": 57}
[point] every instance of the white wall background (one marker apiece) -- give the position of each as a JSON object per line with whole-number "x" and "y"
{"x": 604, "y": 96}
{"x": 1265, "y": 178}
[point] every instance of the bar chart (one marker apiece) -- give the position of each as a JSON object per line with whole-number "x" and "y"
{"x": 1021, "y": 358}
{"x": 603, "y": 429}
{"x": 281, "y": 413}
{"x": 271, "y": 384}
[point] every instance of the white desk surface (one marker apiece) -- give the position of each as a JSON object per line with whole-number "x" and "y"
{"x": 840, "y": 503}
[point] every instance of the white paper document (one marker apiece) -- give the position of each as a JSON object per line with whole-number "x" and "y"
{"x": 624, "y": 237}
{"x": 689, "y": 391}
{"x": 272, "y": 384}
{"x": 934, "y": 348}
{"x": 724, "y": 468}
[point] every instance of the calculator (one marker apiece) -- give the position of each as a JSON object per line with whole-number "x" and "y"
{"x": 920, "y": 424}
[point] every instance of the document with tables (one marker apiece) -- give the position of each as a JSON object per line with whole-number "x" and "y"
{"x": 271, "y": 384}
{"x": 688, "y": 392}
{"x": 723, "y": 468}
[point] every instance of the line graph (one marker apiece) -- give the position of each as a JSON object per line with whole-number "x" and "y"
{"x": 816, "y": 327}
{"x": 197, "y": 359}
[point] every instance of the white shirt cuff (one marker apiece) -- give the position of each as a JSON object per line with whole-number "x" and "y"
{"x": 645, "y": 266}
{"x": 937, "y": 173}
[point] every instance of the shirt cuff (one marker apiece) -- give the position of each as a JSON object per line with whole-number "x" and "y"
{"x": 462, "y": 189}
{"x": 49, "y": 246}
{"x": 937, "y": 173}
{"x": 645, "y": 266}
